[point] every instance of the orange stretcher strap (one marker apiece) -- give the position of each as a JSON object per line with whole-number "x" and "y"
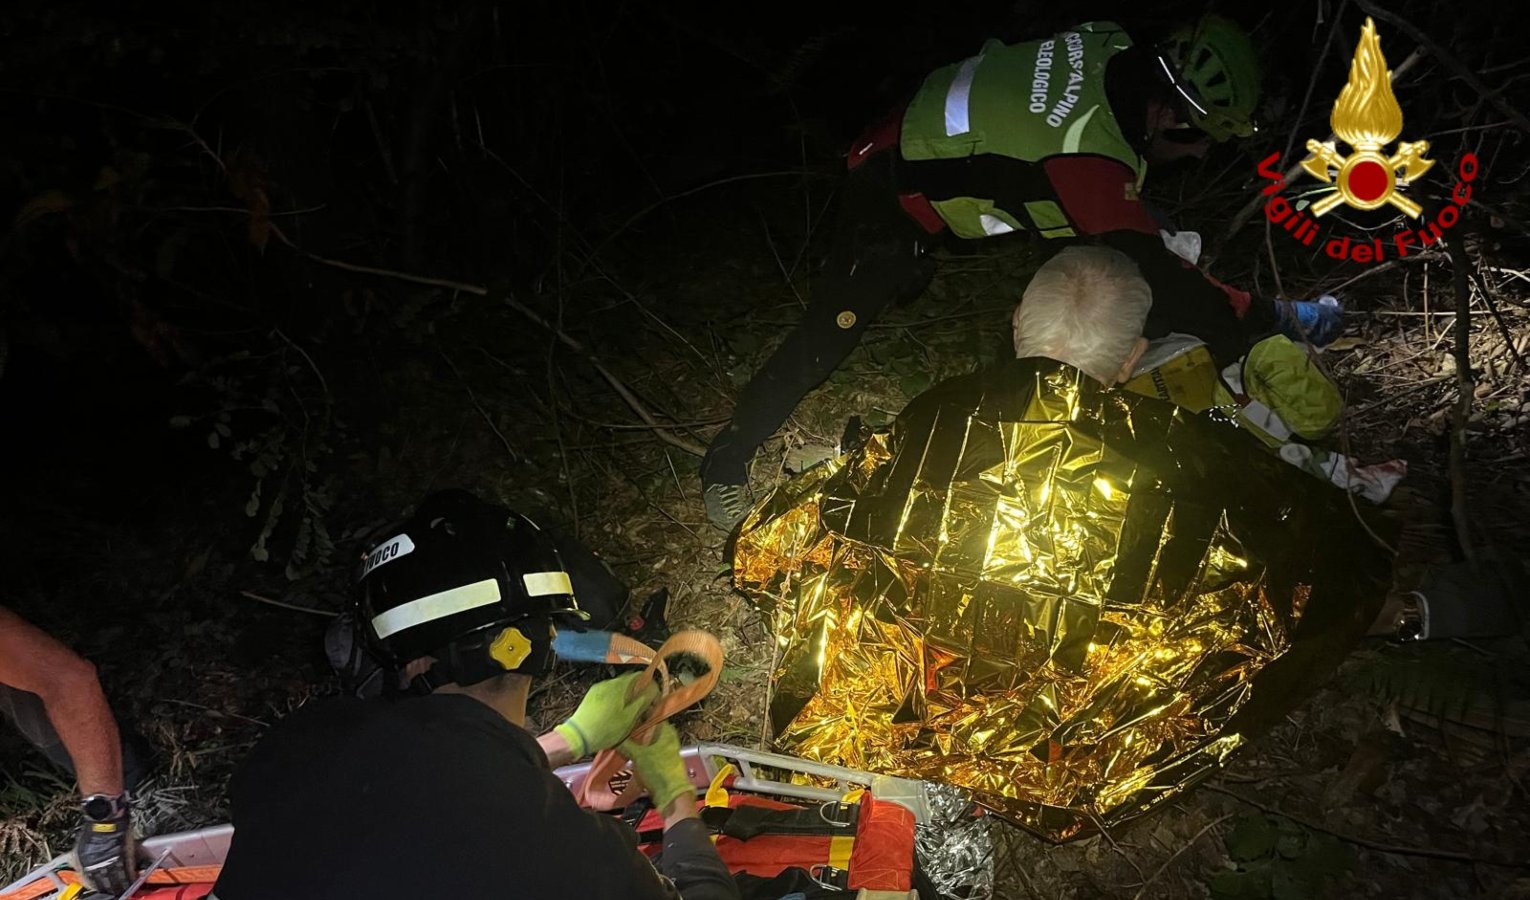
{"x": 186, "y": 875}
{"x": 181, "y": 875}
{"x": 596, "y": 792}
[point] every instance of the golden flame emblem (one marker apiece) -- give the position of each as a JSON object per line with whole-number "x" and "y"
{"x": 1367, "y": 118}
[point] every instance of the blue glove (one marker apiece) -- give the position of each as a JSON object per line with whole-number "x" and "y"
{"x": 1319, "y": 321}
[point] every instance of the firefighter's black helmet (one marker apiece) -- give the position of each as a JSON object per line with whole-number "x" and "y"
{"x": 473, "y": 584}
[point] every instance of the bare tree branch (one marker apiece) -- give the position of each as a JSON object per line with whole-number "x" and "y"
{"x": 661, "y": 431}
{"x": 1254, "y": 205}
{"x": 1395, "y": 850}
{"x": 1448, "y": 60}
{"x": 1466, "y": 386}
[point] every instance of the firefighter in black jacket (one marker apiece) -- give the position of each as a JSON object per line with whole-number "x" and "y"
{"x": 445, "y": 795}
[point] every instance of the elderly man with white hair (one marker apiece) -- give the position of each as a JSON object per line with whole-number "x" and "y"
{"x": 1073, "y": 599}
{"x": 1086, "y": 307}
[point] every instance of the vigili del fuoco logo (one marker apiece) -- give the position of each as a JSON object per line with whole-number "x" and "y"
{"x": 1367, "y": 118}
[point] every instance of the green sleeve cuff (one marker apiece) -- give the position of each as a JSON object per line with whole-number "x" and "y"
{"x": 578, "y": 744}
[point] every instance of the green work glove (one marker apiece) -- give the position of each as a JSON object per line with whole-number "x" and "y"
{"x": 659, "y": 764}
{"x": 605, "y": 716}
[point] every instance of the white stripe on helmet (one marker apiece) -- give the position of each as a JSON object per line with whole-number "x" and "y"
{"x": 436, "y": 606}
{"x": 541, "y": 584}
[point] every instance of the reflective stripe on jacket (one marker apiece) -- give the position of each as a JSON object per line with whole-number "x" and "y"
{"x": 1023, "y": 102}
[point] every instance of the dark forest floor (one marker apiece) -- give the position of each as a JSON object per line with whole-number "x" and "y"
{"x": 1306, "y": 811}
{"x": 189, "y": 526}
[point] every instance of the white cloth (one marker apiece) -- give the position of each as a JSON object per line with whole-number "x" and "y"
{"x": 1374, "y": 483}
{"x": 1184, "y": 244}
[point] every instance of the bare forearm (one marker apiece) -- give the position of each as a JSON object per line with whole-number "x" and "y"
{"x": 84, "y": 723}
{"x": 560, "y": 754}
{"x": 33, "y": 661}
{"x": 679, "y": 809}
{"x": 557, "y": 749}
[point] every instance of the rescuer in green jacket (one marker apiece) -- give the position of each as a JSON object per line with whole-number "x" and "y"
{"x": 1053, "y": 137}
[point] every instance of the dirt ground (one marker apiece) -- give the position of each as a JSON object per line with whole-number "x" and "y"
{"x": 1405, "y": 777}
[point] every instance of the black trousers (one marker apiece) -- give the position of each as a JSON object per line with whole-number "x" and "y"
{"x": 876, "y": 259}
{"x": 27, "y": 715}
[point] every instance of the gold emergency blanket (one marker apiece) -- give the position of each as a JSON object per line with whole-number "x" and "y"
{"x": 1073, "y": 601}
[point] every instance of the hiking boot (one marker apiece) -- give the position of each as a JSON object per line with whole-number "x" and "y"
{"x": 727, "y": 504}
{"x": 1452, "y": 602}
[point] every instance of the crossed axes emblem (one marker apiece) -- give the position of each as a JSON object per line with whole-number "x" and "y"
{"x": 1368, "y": 163}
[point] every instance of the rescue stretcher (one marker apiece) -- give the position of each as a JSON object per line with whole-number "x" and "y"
{"x": 184, "y": 866}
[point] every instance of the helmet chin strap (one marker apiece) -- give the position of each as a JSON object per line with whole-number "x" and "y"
{"x": 432, "y": 679}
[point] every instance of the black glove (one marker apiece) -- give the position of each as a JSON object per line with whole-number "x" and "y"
{"x": 103, "y": 851}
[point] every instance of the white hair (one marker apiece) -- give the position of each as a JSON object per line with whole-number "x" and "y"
{"x": 1085, "y": 307}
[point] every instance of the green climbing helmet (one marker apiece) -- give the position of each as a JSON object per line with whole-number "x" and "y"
{"x": 1214, "y": 66}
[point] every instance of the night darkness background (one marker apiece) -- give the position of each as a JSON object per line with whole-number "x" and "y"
{"x": 202, "y": 414}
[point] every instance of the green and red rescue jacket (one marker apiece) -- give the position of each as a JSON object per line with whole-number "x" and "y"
{"x": 1023, "y": 136}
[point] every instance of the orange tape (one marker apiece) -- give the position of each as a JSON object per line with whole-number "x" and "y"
{"x": 596, "y": 792}
{"x": 181, "y": 875}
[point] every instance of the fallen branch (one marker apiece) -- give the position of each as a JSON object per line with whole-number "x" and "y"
{"x": 1393, "y": 849}
{"x": 1503, "y": 327}
{"x": 1498, "y": 213}
{"x": 488, "y": 420}
{"x": 304, "y": 353}
{"x": 1465, "y": 387}
{"x": 634, "y": 426}
{"x": 1177, "y": 853}
{"x": 1391, "y": 396}
{"x": 637, "y": 406}
{"x": 326, "y": 613}
{"x": 1426, "y": 256}
{"x": 221, "y": 713}
{"x": 633, "y": 219}
{"x": 1100, "y": 826}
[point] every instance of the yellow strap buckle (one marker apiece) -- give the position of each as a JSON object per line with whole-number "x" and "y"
{"x": 717, "y": 795}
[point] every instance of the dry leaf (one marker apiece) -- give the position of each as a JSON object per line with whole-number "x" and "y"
{"x": 46, "y": 203}
{"x": 248, "y": 181}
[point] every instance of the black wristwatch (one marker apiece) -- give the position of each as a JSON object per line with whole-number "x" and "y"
{"x": 104, "y": 807}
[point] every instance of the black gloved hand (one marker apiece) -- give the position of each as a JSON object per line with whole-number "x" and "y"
{"x": 104, "y": 849}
